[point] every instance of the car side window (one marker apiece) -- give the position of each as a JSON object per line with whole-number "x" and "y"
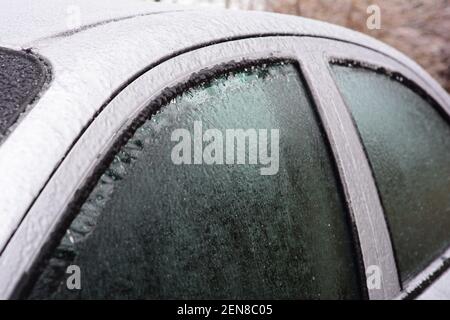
{"x": 229, "y": 191}
{"x": 408, "y": 144}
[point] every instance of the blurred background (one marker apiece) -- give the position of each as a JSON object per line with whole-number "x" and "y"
{"x": 419, "y": 28}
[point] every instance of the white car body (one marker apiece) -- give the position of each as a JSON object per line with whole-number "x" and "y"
{"x": 96, "y": 66}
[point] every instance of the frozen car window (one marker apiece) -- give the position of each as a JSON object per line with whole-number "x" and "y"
{"x": 408, "y": 145}
{"x": 21, "y": 78}
{"x": 154, "y": 228}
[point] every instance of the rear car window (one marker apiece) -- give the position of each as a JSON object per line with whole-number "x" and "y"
{"x": 408, "y": 144}
{"x": 22, "y": 76}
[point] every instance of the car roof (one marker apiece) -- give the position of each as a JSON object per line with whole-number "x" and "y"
{"x": 117, "y": 39}
{"x": 132, "y": 25}
{"x": 25, "y": 21}
{"x": 114, "y": 43}
{"x": 93, "y": 25}
{"x": 28, "y": 24}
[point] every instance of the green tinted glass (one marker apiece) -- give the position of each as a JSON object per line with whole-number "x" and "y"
{"x": 408, "y": 145}
{"x": 155, "y": 228}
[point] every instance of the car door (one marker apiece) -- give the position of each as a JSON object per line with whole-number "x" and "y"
{"x": 141, "y": 113}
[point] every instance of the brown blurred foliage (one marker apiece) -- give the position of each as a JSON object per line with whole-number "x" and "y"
{"x": 418, "y": 28}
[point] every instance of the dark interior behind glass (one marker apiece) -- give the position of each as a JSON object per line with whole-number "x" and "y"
{"x": 154, "y": 229}
{"x": 408, "y": 145}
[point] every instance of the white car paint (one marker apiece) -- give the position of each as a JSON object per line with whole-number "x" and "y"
{"x": 89, "y": 63}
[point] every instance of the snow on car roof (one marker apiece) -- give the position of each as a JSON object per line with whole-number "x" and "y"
{"x": 24, "y": 21}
